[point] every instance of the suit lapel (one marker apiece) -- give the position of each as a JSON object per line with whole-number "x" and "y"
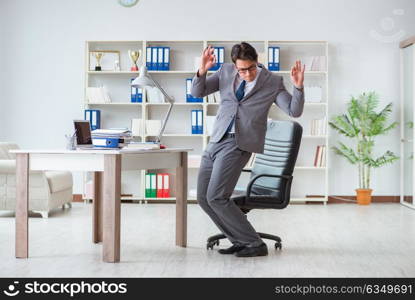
{"x": 234, "y": 72}
{"x": 262, "y": 77}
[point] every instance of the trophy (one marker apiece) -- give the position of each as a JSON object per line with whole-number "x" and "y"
{"x": 98, "y": 56}
{"x": 134, "y": 55}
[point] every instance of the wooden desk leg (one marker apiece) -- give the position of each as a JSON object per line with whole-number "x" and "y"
{"x": 97, "y": 208}
{"x": 181, "y": 201}
{"x": 112, "y": 207}
{"x": 22, "y": 203}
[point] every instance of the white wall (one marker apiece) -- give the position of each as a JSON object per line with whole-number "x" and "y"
{"x": 2, "y": 71}
{"x": 44, "y": 48}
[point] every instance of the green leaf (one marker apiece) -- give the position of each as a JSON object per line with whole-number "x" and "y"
{"x": 346, "y": 152}
{"x": 388, "y": 157}
{"x": 343, "y": 125}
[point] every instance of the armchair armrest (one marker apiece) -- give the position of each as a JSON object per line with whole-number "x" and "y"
{"x": 7, "y": 166}
{"x": 288, "y": 178}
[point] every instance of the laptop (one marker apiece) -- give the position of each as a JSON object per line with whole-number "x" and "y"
{"x": 84, "y": 137}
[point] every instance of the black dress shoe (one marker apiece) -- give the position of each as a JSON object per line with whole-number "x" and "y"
{"x": 231, "y": 250}
{"x": 260, "y": 250}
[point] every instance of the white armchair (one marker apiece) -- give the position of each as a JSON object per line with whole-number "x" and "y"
{"x": 47, "y": 190}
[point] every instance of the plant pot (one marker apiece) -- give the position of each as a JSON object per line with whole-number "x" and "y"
{"x": 364, "y": 196}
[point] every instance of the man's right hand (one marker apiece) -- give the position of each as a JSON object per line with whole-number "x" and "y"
{"x": 207, "y": 60}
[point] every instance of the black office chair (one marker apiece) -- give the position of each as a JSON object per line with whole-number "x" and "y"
{"x": 271, "y": 174}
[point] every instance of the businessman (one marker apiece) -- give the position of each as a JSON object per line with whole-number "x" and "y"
{"x": 247, "y": 90}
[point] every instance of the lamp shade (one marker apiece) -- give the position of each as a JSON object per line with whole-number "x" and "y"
{"x": 143, "y": 79}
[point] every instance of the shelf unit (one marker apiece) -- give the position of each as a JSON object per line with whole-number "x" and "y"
{"x": 407, "y": 66}
{"x": 182, "y": 65}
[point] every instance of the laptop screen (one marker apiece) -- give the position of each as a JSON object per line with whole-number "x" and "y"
{"x": 83, "y": 132}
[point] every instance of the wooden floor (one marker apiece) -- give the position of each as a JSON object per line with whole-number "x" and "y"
{"x": 338, "y": 240}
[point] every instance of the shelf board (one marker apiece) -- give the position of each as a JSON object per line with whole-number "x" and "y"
{"x": 172, "y": 72}
{"x": 309, "y": 136}
{"x": 300, "y": 168}
{"x": 315, "y": 103}
{"x": 171, "y": 198}
{"x": 144, "y": 198}
{"x": 309, "y": 168}
{"x": 181, "y": 135}
{"x": 113, "y": 72}
{"x": 146, "y": 103}
{"x": 306, "y": 72}
{"x": 314, "y": 199}
{"x": 176, "y": 103}
{"x": 298, "y": 42}
{"x": 117, "y": 103}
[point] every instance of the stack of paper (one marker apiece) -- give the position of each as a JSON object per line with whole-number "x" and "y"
{"x": 123, "y": 135}
{"x": 316, "y": 63}
{"x": 313, "y": 93}
{"x": 318, "y": 126}
{"x": 97, "y": 95}
{"x": 154, "y": 95}
{"x": 142, "y": 146}
{"x": 214, "y": 98}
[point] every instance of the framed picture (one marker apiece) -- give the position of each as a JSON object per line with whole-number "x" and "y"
{"x": 108, "y": 59}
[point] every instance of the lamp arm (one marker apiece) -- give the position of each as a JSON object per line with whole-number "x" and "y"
{"x": 158, "y": 139}
{"x": 161, "y": 89}
{"x": 170, "y": 100}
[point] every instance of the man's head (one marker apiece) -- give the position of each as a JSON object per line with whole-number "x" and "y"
{"x": 245, "y": 58}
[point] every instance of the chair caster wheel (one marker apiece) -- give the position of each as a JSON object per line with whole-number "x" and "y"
{"x": 278, "y": 246}
{"x": 210, "y": 245}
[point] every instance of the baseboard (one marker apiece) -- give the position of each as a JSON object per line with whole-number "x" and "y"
{"x": 334, "y": 199}
{"x": 375, "y": 199}
{"x": 77, "y": 198}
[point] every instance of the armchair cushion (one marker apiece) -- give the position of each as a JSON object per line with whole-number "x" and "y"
{"x": 5, "y": 148}
{"x": 7, "y": 166}
{"x": 59, "y": 180}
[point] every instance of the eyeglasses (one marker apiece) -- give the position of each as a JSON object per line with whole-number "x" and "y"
{"x": 246, "y": 70}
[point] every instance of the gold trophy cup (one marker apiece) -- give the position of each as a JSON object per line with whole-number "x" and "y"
{"x": 98, "y": 56}
{"x": 134, "y": 55}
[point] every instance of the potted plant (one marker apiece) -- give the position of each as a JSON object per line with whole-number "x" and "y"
{"x": 362, "y": 123}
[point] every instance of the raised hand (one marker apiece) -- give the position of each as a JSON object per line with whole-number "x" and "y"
{"x": 207, "y": 60}
{"x": 297, "y": 74}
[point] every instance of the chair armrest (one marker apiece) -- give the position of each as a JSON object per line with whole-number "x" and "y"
{"x": 7, "y": 166}
{"x": 288, "y": 178}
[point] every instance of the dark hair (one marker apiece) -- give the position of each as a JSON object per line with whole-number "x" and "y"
{"x": 243, "y": 51}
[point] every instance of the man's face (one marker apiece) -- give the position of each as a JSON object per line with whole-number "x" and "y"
{"x": 246, "y": 69}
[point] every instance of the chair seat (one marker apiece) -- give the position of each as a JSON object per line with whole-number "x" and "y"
{"x": 258, "y": 201}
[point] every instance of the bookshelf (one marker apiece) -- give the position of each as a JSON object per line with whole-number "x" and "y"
{"x": 310, "y": 182}
{"x": 407, "y": 77}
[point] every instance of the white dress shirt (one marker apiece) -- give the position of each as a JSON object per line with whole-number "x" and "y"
{"x": 249, "y": 85}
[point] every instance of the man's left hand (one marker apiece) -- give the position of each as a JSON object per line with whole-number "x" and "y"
{"x": 297, "y": 74}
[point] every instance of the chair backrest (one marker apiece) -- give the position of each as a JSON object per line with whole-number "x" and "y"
{"x": 4, "y": 150}
{"x": 282, "y": 143}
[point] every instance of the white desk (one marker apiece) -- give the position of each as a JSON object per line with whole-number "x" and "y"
{"x": 107, "y": 166}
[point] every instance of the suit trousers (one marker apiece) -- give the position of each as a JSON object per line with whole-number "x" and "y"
{"x": 220, "y": 169}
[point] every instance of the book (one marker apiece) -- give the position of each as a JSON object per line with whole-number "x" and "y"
{"x": 97, "y": 95}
